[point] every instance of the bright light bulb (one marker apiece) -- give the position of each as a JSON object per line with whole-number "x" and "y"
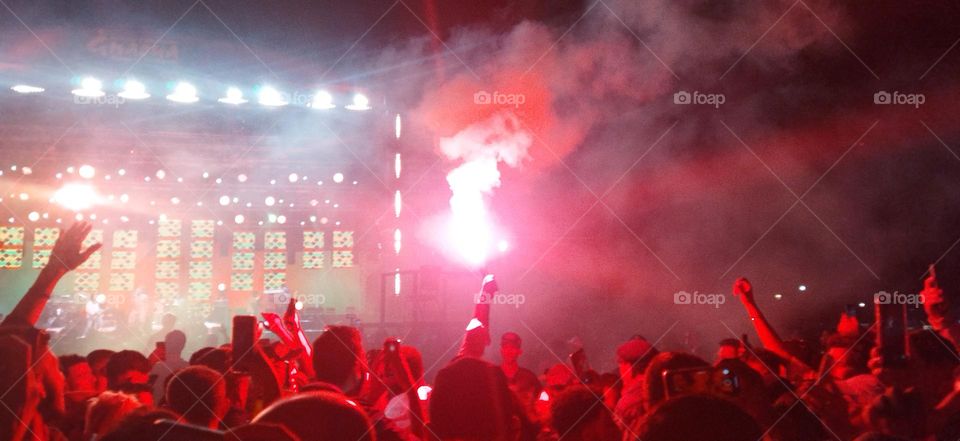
{"x": 360, "y": 102}
{"x": 23, "y": 88}
{"x": 224, "y": 200}
{"x": 322, "y": 100}
{"x": 87, "y": 171}
{"x": 271, "y": 97}
{"x": 270, "y": 200}
{"x": 134, "y": 90}
{"x": 238, "y": 219}
{"x": 184, "y": 93}
{"x": 338, "y": 177}
{"x": 234, "y": 96}
{"x": 89, "y": 87}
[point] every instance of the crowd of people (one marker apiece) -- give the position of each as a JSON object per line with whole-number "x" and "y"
{"x": 847, "y": 387}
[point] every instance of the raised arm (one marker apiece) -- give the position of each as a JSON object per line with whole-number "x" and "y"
{"x": 67, "y": 255}
{"x": 743, "y": 290}
{"x": 477, "y": 336}
{"x": 939, "y": 309}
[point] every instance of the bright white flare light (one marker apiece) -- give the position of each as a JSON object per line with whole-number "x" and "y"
{"x": 89, "y": 87}
{"x": 322, "y": 100}
{"x": 234, "y": 96}
{"x": 338, "y": 177}
{"x": 423, "y": 392}
{"x": 224, "y": 200}
{"x": 397, "y": 204}
{"x": 134, "y": 90}
{"x": 271, "y": 97}
{"x": 87, "y": 171}
{"x": 360, "y": 102}
{"x": 397, "y": 126}
{"x": 298, "y": 305}
{"x": 238, "y": 219}
{"x": 184, "y": 93}
{"x": 293, "y": 178}
{"x": 24, "y": 88}
{"x": 33, "y": 216}
{"x": 269, "y": 201}
{"x": 76, "y": 197}
{"x": 503, "y": 246}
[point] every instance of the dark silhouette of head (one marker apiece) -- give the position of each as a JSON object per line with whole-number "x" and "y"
{"x": 199, "y": 394}
{"x": 579, "y": 414}
{"x": 698, "y": 418}
{"x": 338, "y": 358}
{"x": 126, "y": 367}
{"x": 471, "y": 401}
{"x": 320, "y": 416}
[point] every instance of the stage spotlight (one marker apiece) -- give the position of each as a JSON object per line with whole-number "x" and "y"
{"x": 121, "y": 172}
{"x": 124, "y": 198}
{"x": 802, "y": 288}
{"x": 76, "y": 197}
{"x": 238, "y": 219}
{"x": 205, "y": 175}
{"x": 269, "y": 201}
{"x": 89, "y": 87}
{"x": 234, "y": 96}
{"x": 224, "y": 200}
{"x": 161, "y": 174}
{"x": 24, "y": 196}
{"x": 33, "y": 216}
{"x": 221, "y": 287}
{"x": 397, "y": 125}
{"x": 778, "y": 296}
{"x": 87, "y": 171}
{"x": 298, "y": 305}
{"x": 503, "y": 246}
{"x": 338, "y": 177}
{"x": 134, "y": 90}
{"x": 862, "y": 305}
{"x": 242, "y": 177}
{"x": 281, "y": 219}
{"x": 272, "y": 218}
{"x": 322, "y": 100}
{"x": 174, "y": 200}
{"x": 184, "y": 93}
{"x": 293, "y": 178}
{"x": 271, "y": 97}
{"x": 360, "y": 102}
{"x": 26, "y": 170}
{"x": 23, "y": 88}
{"x": 324, "y": 220}
{"x": 313, "y": 218}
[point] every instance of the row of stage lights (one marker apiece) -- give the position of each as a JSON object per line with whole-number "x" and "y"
{"x": 36, "y": 216}
{"x": 186, "y": 93}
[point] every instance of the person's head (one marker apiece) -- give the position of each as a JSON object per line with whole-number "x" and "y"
{"x": 558, "y": 377}
{"x": 633, "y": 358}
{"x": 338, "y": 358}
{"x": 98, "y": 359}
{"x": 168, "y": 321}
{"x": 471, "y": 402}
{"x": 78, "y": 374}
{"x": 392, "y": 377}
{"x": 105, "y": 412}
{"x": 320, "y": 416}
{"x": 217, "y": 359}
{"x": 126, "y": 367}
{"x": 578, "y": 414}
{"x": 510, "y": 347}
{"x": 199, "y": 395}
{"x": 846, "y": 356}
{"x": 729, "y": 348}
{"x": 174, "y": 343}
{"x": 698, "y": 418}
{"x": 665, "y": 361}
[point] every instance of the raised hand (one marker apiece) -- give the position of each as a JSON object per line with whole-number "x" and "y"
{"x": 743, "y": 289}
{"x": 67, "y": 253}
